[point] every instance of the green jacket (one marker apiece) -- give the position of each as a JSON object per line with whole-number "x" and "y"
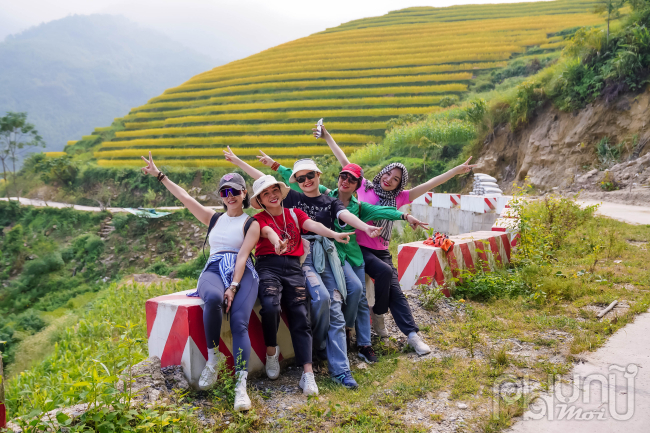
{"x": 364, "y": 211}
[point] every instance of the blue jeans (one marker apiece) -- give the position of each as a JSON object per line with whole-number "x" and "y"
{"x": 356, "y": 307}
{"x": 327, "y": 320}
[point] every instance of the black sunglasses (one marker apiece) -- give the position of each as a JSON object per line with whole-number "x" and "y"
{"x": 304, "y": 177}
{"x": 348, "y": 177}
{"x": 233, "y": 192}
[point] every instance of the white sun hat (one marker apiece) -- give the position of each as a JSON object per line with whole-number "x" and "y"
{"x": 303, "y": 164}
{"x": 264, "y": 182}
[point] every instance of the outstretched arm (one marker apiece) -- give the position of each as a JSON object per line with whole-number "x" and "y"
{"x": 201, "y": 212}
{"x": 439, "y": 180}
{"x": 274, "y": 238}
{"x": 248, "y": 169}
{"x": 320, "y": 229}
{"x": 349, "y": 218}
{"x": 336, "y": 150}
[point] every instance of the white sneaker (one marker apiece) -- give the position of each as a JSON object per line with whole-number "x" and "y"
{"x": 209, "y": 374}
{"x": 308, "y": 384}
{"x": 273, "y": 364}
{"x": 242, "y": 402}
{"x": 416, "y": 343}
{"x": 378, "y": 324}
{"x": 208, "y": 377}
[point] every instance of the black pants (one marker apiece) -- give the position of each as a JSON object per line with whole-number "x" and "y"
{"x": 388, "y": 293}
{"x": 282, "y": 284}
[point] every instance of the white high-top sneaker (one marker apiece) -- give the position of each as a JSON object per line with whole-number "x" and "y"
{"x": 308, "y": 384}
{"x": 210, "y": 372}
{"x": 416, "y": 343}
{"x": 273, "y": 364}
{"x": 242, "y": 402}
{"x": 378, "y": 324}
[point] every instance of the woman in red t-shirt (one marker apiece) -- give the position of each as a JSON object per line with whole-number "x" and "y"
{"x": 278, "y": 253}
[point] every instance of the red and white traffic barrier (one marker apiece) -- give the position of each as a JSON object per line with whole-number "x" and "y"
{"x": 176, "y": 335}
{"x": 424, "y": 264}
{"x": 478, "y": 204}
{"x": 444, "y": 201}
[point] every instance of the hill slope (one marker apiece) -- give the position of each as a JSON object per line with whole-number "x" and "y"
{"x": 357, "y": 76}
{"x": 78, "y": 72}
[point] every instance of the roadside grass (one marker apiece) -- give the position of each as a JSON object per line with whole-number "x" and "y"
{"x": 537, "y": 330}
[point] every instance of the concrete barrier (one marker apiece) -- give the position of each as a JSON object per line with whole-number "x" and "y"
{"x": 454, "y": 214}
{"x": 176, "y": 335}
{"x": 423, "y": 264}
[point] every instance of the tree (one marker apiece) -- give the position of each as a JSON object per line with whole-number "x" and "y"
{"x": 611, "y": 9}
{"x": 16, "y": 134}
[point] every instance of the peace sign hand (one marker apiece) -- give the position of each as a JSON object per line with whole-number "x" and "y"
{"x": 464, "y": 168}
{"x": 151, "y": 167}
{"x": 230, "y": 155}
{"x": 265, "y": 159}
{"x": 281, "y": 247}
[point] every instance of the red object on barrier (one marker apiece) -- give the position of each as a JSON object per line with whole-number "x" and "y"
{"x": 418, "y": 263}
{"x": 176, "y": 335}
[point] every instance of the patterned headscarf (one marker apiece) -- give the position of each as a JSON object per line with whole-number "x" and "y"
{"x": 387, "y": 198}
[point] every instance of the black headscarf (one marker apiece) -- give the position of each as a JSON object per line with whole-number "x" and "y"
{"x": 387, "y": 198}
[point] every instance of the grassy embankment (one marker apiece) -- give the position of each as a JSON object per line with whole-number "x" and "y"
{"x": 568, "y": 263}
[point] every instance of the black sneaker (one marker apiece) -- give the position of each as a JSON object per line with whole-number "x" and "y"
{"x": 367, "y": 354}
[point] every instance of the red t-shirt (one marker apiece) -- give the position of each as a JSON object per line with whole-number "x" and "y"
{"x": 294, "y": 247}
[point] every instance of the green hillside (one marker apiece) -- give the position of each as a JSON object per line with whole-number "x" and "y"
{"x": 357, "y": 76}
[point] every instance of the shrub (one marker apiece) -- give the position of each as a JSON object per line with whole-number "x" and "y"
{"x": 30, "y": 321}
{"x": 49, "y": 263}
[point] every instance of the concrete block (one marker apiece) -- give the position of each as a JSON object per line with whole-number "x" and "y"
{"x": 176, "y": 335}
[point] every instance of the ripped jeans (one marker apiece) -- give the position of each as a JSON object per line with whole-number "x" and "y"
{"x": 282, "y": 285}
{"x": 327, "y": 320}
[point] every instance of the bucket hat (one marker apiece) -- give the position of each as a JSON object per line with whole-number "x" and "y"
{"x": 264, "y": 182}
{"x": 303, "y": 164}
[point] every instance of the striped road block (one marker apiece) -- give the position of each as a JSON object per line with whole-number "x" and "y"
{"x": 423, "y": 264}
{"x": 444, "y": 201}
{"x": 478, "y": 203}
{"x": 176, "y": 335}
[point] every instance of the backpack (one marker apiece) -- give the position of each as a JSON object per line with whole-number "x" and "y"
{"x": 213, "y": 222}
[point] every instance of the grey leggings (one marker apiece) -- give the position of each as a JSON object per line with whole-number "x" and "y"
{"x": 211, "y": 291}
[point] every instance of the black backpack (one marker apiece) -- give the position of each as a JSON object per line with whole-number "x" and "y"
{"x": 213, "y": 222}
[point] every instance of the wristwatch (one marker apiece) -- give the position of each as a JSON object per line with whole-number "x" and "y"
{"x": 234, "y": 287}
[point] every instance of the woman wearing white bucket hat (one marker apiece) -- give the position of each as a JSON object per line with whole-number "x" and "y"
{"x": 322, "y": 266}
{"x": 282, "y": 281}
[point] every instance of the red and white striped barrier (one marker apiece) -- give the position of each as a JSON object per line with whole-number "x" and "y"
{"x": 176, "y": 335}
{"x": 445, "y": 201}
{"x": 479, "y": 204}
{"x": 423, "y": 264}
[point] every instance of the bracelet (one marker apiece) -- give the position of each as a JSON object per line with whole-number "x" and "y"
{"x": 405, "y": 216}
{"x": 161, "y": 176}
{"x": 275, "y": 166}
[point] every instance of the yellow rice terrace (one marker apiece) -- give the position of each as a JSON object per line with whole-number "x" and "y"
{"x": 357, "y": 76}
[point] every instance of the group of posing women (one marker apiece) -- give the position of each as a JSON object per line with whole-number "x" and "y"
{"x": 313, "y": 247}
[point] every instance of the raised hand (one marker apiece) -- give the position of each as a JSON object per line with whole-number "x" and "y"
{"x": 281, "y": 247}
{"x": 151, "y": 167}
{"x": 342, "y": 238}
{"x": 265, "y": 159}
{"x": 465, "y": 167}
{"x": 230, "y": 155}
{"x": 324, "y": 132}
{"x": 372, "y": 231}
{"x": 414, "y": 222}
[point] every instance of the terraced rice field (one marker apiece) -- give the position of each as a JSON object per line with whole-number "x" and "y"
{"x": 357, "y": 76}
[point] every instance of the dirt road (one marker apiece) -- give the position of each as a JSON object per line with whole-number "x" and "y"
{"x": 622, "y": 212}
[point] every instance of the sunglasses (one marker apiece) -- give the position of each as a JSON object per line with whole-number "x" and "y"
{"x": 348, "y": 177}
{"x": 304, "y": 177}
{"x": 232, "y": 191}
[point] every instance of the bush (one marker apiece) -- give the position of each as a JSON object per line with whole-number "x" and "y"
{"x": 30, "y": 321}
{"x": 49, "y": 263}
